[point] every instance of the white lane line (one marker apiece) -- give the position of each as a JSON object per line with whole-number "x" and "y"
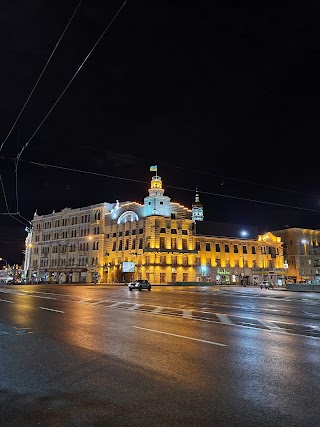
{"x": 51, "y": 309}
{"x": 4, "y": 300}
{"x": 116, "y": 304}
{"x": 187, "y": 314}
{"x": 224, "y": 319}
{"x": 180, "y": 336}
{"x": 311, "y": 314}
{"x": 83, "y": 301}
{"x": 134, "y": 307}
{"x": 269, "y": 325}
{"x": 101, "y": 302}
{"x": 157, "y": 310}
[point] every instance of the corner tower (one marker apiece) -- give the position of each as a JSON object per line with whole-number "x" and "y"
{"x": 156, "y": 203}
{"x": 197, "y": 208}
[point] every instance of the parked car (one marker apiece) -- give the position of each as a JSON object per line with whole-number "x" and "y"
{"x": 8, "y": 280}
{"x": 266, "y": 285}
{"x": 139, "y": 285}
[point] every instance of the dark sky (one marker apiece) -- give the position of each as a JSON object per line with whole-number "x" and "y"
{"x": 222, "y": 95}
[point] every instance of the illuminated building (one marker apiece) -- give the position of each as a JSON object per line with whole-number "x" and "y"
{"x": 159, "y": 240}
{"x": 301, "y": 254}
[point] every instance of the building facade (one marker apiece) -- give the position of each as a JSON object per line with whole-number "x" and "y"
{"x": 158, "y": 240}
{"x": 302, "y": 254}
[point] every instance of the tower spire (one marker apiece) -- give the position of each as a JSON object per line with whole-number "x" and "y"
{"x": 197, "y": 208}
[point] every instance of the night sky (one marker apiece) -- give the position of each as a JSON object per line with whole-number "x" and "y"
{"x": 221, "y": 95}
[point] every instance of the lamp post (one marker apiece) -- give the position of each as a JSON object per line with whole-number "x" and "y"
{"x": 2, "y": 259}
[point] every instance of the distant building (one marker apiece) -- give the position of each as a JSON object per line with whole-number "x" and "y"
{"x": 301, "y": 254}
{"x": 159, "y": 240}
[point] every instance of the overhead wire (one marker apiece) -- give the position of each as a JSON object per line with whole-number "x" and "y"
{"x": 39, "y": 78}
{"x": 47, "y": 165}
{"x": 221, "y": 177}
{"x": 67, "y": 86}
{"x": 71, "y": 80}
{"x": 12, "y": 215}
{"x": 21, "y": 111}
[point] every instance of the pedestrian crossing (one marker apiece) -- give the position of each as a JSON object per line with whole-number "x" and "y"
{"x": 205, "y": 315}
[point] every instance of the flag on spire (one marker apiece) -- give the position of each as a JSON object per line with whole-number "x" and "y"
{"x": 153, "y": 168}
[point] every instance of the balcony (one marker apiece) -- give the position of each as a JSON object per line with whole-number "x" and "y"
{"x": 173, "y": 251}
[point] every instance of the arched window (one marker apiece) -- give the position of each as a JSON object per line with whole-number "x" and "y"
{"x": 128, "y": 216}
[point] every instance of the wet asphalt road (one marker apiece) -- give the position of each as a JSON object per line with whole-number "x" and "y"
{"x": 104, "y": 356}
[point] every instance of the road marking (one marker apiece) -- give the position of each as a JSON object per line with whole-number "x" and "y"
{"x": 51, "y": 309}
{"x": 311, "y": 314}
{"x": 187, "y": 314}
{"x": 224, "y": 319}
{"x": 134, "y": 307}
{"x": 269, "y": 325}
{"x": 83, "y": 301}
{"x": 180, "y": 336}
{"x": 116, "y": 304}
{"x": 4, "y": 300}
{"x": 102, "y": 301}
{"x": 157, "y": 310}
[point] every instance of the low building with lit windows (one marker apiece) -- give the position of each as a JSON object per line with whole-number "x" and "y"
{"x": 158, "y": 240}
{"x": 301, "y": 247}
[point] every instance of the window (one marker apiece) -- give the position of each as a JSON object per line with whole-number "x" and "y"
{"x": 226, "y": 248}
{"x": 198, "y": 246}
{"x": 253, "y": 250}
{"x": 217, "y": 247}
{"x": 162, "y": 242}
{"x": 162, "y": 230}
{"x": 208, "y": 247}
{"x": 244, "y": 250}
{"x": 173, "y": 243}
{"x": 173, "y": 231}
{"x": 235, "y": 249}
{"x": 162, "y": 277}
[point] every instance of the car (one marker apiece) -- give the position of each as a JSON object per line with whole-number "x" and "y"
{"x": 139, "y": 285}
{"x": 266, "y": 285}
{"x": 8, "y": 280}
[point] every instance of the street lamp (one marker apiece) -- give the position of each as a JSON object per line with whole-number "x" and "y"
{"x": 2, "y": 259}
